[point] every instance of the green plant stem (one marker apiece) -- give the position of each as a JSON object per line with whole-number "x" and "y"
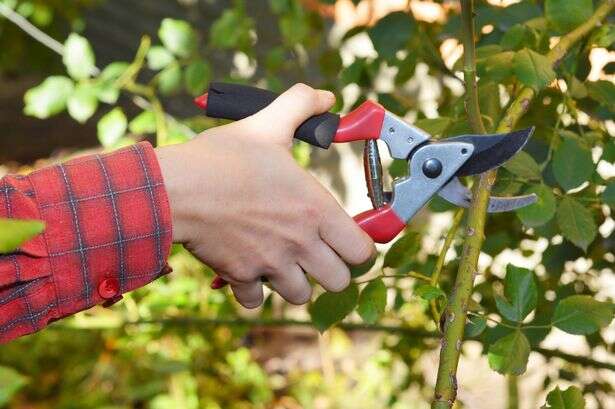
{"x": 513, "y": 391}
{"x": 435, "y": 276}
{"x": 446, "y": 383}
{"x": 131, "y": 73}
{"x": 200, "y": 322}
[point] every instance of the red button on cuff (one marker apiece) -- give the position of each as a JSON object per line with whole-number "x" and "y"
{"x": 108, "y": 288}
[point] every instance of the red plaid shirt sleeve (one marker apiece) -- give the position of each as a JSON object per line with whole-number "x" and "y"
{"x": 108, "y": 231}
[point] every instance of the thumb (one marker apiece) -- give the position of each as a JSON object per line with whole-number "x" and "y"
{"x": 282, "y": 117}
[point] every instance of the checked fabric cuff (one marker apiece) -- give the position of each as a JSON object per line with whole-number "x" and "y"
{"x": 108, "y": 231}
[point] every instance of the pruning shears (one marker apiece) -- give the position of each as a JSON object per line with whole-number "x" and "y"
{"x": 434, "y": 166}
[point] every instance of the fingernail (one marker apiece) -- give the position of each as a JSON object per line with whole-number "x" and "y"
{"x": 327, "y": 93}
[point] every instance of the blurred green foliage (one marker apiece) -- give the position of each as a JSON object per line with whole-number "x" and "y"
{"x": 174, "y": 343}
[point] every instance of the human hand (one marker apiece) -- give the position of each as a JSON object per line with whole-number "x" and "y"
{"x": 244, "y": 207}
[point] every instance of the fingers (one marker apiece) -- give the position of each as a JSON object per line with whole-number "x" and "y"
{"x": 292, "y": 285}
{"x": 250, "y": 295}
{"x": 326, "y": 267}
{"x": 345, "y": 237}
{"x": 291, "y": 109}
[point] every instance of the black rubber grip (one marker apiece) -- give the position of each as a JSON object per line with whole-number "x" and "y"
{"x": 233, "y": 101}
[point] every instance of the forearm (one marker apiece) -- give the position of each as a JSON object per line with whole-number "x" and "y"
{"x": 108, "y": 231}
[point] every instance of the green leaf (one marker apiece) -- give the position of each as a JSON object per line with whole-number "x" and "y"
{"x": 11, "y": 382}
{"x": 112, "y": 127}
{"x": 565, "y": 15}
{"x": 520, "y": 292}
{"x": 372, "y": 301}
{"x": 113, "y": 71}
{"x": 542, "y": 211}
{"x": 571, "y": 398}
{"x": 357, "y": 271}
{"x": 582, "y": 315}
{"x": 14, "y": 233}
{"x": 143, "y": 123}
{"x": 533, "y": 69}
{"x": 78, "y": 57}
{"x": 198, "y": 75}
{"x": 576, "y": 222}
{"x": 509, "y": 354}
{"x": 330, "y": 308}
{"x": 48, "y": 98}
{"x": 159, "y": 57}
{"x": 497, "y": 67}
{"x": 233, "y": 30}
{"x": 392, "y": 33}
{"x": 475, "y": 326}
{"x": 170, "y": 79}
{"x": 428, "y": 292}
{"x": 608, "y": 196}
{"x": 82, "y": 104}
{"x": 603, "y": 92}
{"x": 177, "y": 36}
{"x": 572, "y": 164}
{"x": 402, "y": 251}
{"x": 434, "y": 126}
{"x": 524, "y": 166}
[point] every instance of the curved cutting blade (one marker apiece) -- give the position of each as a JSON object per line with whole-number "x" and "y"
{"x": 491, "y": 151}
{"x": 456, "y": 193}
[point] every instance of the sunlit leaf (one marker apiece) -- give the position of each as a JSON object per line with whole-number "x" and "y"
{"x": 48, "y": 98}
{"x": 112, "y": 127}
{"x": 582, "y": 315}
{"x": 372, "y": 301}
{"x": 144, "y": 123}
{"x": 14, "y": 233}
{"x": 170, "y": 79}
{"x": 177, "y": 36}
{"x": 82, "y": 104}
{"x": 79, "y": 57}
{"x": 159, "y": 57}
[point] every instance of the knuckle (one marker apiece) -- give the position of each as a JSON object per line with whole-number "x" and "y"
{"x": 304, "y": 91}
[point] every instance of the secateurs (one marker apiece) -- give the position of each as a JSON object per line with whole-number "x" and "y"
{"x": 433, "y": 166}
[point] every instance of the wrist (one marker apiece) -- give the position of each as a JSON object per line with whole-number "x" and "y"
{"x": 170, "y": 161}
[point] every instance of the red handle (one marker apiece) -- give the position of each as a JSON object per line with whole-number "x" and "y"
{"x": 363, "y": 123}
{"x": 382, "y": 224}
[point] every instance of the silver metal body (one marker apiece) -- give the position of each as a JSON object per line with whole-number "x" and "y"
{"x": 411, "y": 193}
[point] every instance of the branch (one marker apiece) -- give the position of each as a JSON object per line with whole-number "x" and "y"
{"x": 455, "y": 314}
{"x": 200, "y": 322}
{"x": 58, "y": 48}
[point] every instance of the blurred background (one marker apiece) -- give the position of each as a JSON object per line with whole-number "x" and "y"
{"x": 179, "y": 344}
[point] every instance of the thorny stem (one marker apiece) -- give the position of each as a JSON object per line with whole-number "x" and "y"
{"x": 435, "y": 276}
{"x": 455, "y": 314}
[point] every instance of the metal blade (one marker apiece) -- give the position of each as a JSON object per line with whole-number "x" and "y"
{"x": 456, "y": 193}
{"x": 491, "y": 151}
